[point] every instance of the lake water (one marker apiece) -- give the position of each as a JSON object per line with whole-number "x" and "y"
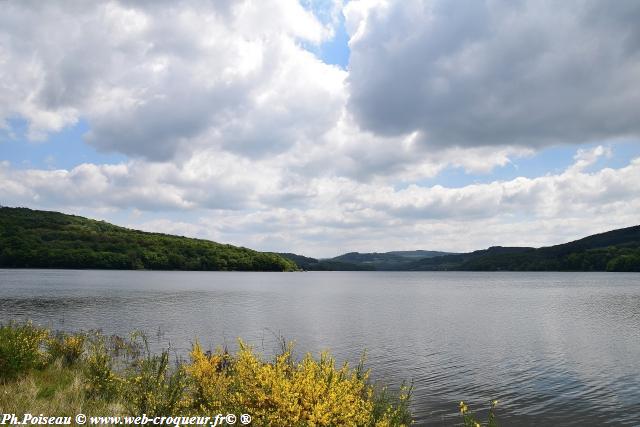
{"x": 555, "y": 348}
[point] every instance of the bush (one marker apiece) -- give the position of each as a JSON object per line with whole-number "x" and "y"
{"x": 68, "y": 348}
{"x": 124, "y": 374}
{"x": 152, "y": 387}
{"x": 309, "y": 392}
{"x": 21, "y": 348}
{"x": 391, "y": 408}
{"x": 101, "y": 380}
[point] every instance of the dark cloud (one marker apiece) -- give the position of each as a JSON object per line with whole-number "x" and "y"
{"x": 496, "y": 72}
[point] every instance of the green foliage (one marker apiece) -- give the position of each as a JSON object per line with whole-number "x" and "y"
{"x": 629, "y": 261}
{"x": 21, "y": 349}
{"x": 101, "y": 381}
{"x": 151, "y": 386}
{"x": 68, "y": 348}
{"x": 393, "y": 406}
{"x": 40, "y": 239}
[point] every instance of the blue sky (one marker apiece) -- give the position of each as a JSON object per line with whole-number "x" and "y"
{"x": 416, "y": 130}
{"x": 60, "y": 150}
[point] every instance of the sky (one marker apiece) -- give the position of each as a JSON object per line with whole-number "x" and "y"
{"x": 326, "y": 126}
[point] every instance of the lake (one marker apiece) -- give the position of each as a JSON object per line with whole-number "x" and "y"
{"x": 554, "y": 348}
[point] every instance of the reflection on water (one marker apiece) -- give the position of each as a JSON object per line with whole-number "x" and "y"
{"x": 555, "y": 348}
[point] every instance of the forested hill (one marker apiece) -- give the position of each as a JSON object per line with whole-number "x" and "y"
{"x": 313, "y": 264}
{"x": 396, "y": 260}
{"x": 42, "y": 239}
{"x": 617, "y": 250}
{"x": 356, "y": 261}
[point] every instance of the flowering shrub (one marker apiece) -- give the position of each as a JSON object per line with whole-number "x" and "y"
{"x": 21, "y": 349}
{"x": 101, "y": 380}
{"x": 67, "y": 347}
{"x": 308, "y": 392}
{"x": 392, "y": 409}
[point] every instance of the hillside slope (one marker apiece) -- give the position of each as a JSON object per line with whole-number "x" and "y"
{"x": 616, "y": 250}
{"x": 396, "y": 260}
{"x": 42, "y": 239}
{"x": 313, "y": 264}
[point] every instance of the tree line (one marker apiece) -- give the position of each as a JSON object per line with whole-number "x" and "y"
{"x": 41, "y": 239}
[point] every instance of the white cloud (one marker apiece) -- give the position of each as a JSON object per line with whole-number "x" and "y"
{"x": 322, "y": 216}
{"x": 551, "y": 196}
{"x": 585, "y": 158}
{"x": 158, "y": 80}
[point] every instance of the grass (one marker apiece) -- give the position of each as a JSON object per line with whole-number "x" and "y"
{"x": 67, "y": 374}
{"x": 55, "y": 389}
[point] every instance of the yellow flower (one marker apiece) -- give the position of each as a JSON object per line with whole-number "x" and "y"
{"x": 283, "y": 392}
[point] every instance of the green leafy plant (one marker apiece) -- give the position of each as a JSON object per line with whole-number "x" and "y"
{"x": 101, "y": 380}
{"x": 151, "y": 386}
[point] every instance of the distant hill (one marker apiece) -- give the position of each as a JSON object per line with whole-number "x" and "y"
{"x": 455, "y": 261}
{"x": 42, "y": 239}
{"x": 355, "y": 261}
{"x": 617, "y": 250}
{"x": 419, "y": 254}
{"x": 396, "y": 260}
{"x": 302, "y": 261}
{"x": 313, "y": 264}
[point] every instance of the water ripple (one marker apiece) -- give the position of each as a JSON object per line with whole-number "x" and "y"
{"x": 556, "y": 349}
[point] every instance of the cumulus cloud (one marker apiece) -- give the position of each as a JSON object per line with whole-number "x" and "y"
{"x": 155, "y": 80}
{"x": 529, "y": 73}
{"x": 349, "y": 151}
{"x": 326, "y": 215}
{"x": 139, "y": 185}
{"x": 550, "y": 196}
